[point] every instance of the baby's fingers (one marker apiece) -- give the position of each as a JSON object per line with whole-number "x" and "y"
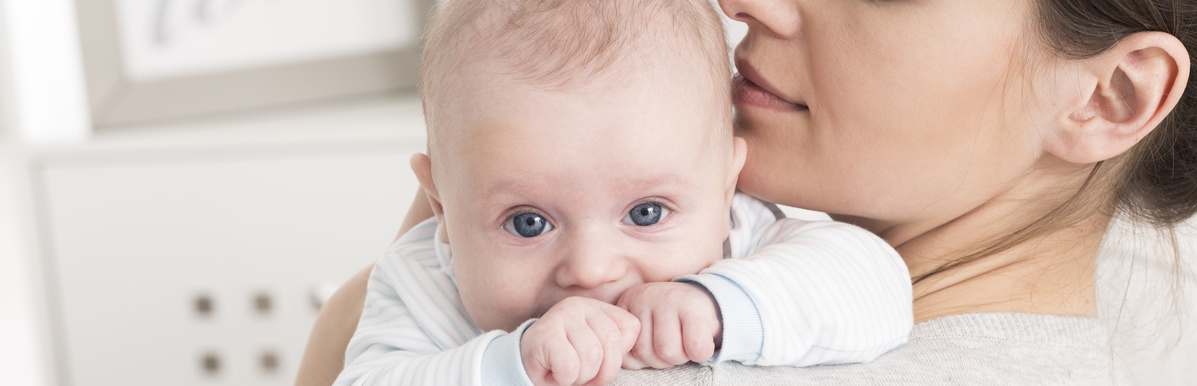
{"x": 589, "y": 341}
{"x": 617, "y": 329}
{"x": 631, "y": 362}
{"x": 643, "y": 354}
{"x": 562, "y": 362}
{"x": 667, "y": 339}
{"x": 699, "y": 340}
{"x": 628, "y": 325}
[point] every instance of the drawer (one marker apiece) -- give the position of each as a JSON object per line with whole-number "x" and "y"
{"x": 204, "y": 267}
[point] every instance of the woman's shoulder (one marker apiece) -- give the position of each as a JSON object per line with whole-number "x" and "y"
{"x": 974, "y": 349}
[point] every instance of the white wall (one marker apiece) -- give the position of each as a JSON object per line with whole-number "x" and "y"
{"x": 23, "y": 360}
{"x": 5, "y": 94}
{"x": 46, "y": 94}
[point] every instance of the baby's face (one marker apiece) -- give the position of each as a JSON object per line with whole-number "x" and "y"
{"x": 585, "y": 192}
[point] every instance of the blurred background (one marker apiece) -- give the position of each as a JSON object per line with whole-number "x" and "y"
{"x": 184, "y": 182}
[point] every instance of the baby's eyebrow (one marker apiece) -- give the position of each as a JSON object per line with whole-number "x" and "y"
{"x": 505, "y": 186}
{"x": 661, "y": 180}
{"x": 526, "y": 185}
{"x": 530, "y": 188}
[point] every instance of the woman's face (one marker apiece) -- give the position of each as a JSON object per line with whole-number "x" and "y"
{"x": 885, "y": 112}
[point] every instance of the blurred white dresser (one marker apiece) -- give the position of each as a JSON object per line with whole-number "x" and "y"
{"x": 197, "y": 253}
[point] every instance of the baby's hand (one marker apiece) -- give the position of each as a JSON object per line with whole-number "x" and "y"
{"x": 580, "y": 341}
{"x": 679, "y": 322}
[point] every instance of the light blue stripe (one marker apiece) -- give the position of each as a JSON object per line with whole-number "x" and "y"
{"x": 439, "y": 303}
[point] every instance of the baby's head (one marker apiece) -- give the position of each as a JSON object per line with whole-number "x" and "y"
{"x": 576, "y": 147}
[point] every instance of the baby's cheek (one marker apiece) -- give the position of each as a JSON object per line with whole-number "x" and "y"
{"x": 498, "y": 300}
{"x": 688, "y": 260}
{"x": 475, "y": 306}
{"x": 705, "y": 253}
{"x": 477, "y": 294}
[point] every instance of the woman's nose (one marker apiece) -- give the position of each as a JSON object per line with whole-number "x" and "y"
{"x": 777, "y": 17}
{"x": 591, "y": 262}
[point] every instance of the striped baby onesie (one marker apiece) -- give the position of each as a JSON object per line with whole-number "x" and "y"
{"x": 791, "y": 292}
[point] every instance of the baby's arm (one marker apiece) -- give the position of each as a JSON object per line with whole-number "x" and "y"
{"x": 812, "y": 293}
{"x": 579, "y": 341}
{"x": 806, "y": 293}
{"x": 392, "y": 346}
{"x": 414, "y": 330}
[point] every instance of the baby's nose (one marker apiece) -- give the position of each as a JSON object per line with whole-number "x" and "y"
{"x": 591, "y": 264}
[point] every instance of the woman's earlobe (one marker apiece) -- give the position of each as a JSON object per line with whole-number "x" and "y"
{"x": 1139, "y": 81}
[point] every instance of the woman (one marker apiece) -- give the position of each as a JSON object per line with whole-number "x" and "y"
{"x": 989, "y": 141}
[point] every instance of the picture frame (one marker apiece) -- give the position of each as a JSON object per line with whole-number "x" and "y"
{"x": 118, "y": 97}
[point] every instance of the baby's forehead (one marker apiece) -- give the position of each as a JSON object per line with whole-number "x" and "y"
{"x": 557, "y": 142}
{"x": 631, "y": 100}
{"x": 561, "y": 54}
{"x": 591, "y": 53}
{"x": 557, "y": 43}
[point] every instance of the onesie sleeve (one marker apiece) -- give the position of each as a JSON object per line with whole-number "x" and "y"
{"x": 807, "y": 293}
{"x": 413, "y": 332}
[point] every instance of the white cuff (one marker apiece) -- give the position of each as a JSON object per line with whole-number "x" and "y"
{"x": 743, "y": 330}
{"x": 502, "y": 364}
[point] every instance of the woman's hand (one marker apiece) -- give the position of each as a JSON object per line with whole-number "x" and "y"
{"x": 679, "y": 322}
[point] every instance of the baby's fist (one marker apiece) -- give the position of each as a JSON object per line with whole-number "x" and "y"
{"x": 679, "y": 322}
{"x": 580, "y": 341}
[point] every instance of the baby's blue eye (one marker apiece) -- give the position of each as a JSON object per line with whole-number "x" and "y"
{"x": 646, "y": 214}
{"x": 527, "y": 225}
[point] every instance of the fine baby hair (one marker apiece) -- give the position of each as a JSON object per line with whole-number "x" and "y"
{"x": 560, "y": 44}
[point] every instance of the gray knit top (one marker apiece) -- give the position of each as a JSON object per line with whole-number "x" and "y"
{"x": 969, "y": 349}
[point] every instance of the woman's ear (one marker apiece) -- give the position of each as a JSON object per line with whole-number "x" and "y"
{"x": 1132, "y": 87}
{"x": 421, "y": 165}
{"x": 739, "y": 154}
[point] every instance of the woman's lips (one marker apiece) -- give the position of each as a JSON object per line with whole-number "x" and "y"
{"x": 751, "y": 94}
{"x": 752, "y": 89}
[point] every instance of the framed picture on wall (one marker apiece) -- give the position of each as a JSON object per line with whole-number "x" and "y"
{"x": 147, "y": 60}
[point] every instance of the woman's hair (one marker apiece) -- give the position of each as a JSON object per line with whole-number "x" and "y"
{"x": 1155, "y": 182}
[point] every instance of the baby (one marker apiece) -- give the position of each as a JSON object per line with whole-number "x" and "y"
{"x": 582, "y": 169}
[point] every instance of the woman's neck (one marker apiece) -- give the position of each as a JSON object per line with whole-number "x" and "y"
{"x": 1049, "y": 272}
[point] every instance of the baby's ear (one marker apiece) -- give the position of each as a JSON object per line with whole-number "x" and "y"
{"x": 739, "y": 154}
{"x": 421, "y": 165}
{"x": 1130, "y": 88}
